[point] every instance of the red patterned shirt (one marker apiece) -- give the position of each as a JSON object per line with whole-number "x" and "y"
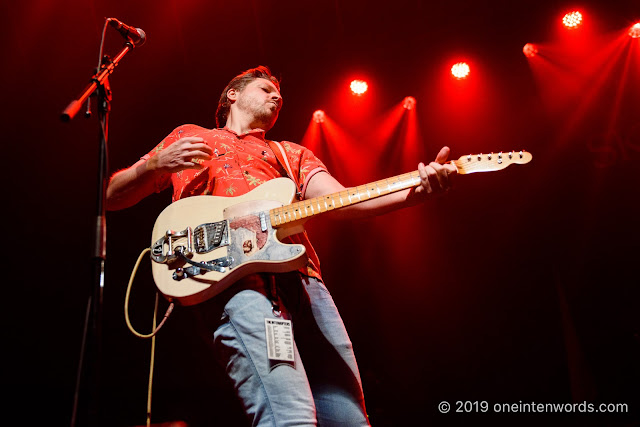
{"x": 240, "y": 163}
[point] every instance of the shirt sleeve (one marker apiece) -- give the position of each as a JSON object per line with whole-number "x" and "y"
{"x": 304, "y": 163}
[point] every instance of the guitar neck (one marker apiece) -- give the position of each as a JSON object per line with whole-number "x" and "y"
{"x": 350, "y": 196}
{"x": 466, "y": 164}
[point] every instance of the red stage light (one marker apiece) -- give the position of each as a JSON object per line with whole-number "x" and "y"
{"x": 460, "y": 70}
{"x": 572, "y": 20}
{"x": 634, "y": 31}
{"x": 318, "y": 116}
{"x": 409, "y": 103}
{"x": 530, "y": 50}
{"x": 358, "y": 87}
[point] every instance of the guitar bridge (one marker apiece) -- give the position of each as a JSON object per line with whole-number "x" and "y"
{"x": 210, "y": 236}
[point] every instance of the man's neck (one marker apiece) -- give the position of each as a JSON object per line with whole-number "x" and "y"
{"x": 242, "y": 125}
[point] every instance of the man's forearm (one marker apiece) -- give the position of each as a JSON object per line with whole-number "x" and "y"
{"x": 128, "y": 186}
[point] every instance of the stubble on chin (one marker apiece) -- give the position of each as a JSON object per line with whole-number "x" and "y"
{"x": 267, "y": 116}
{"x": 264, "y": 116}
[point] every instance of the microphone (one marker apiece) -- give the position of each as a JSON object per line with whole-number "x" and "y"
{"x": 135, "y": 35}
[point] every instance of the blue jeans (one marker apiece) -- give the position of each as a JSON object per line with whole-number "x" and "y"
{"x": 322, "y": 387}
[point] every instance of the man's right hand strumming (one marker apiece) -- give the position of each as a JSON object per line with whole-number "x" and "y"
{"x": 128, "y": 186}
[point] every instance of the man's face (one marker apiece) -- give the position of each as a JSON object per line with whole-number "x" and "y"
{"x": 261, "y": 100}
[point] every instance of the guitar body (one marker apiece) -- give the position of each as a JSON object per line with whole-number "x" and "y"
{"x": 232, "y": 234}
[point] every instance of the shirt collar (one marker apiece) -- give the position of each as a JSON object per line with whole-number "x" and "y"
{"x": 259, "y": 133}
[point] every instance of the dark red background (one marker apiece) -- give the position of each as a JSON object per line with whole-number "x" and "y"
{"x": 520, "y": 285}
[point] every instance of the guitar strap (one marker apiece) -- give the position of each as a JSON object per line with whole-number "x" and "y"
{"x": 281, "y": 155}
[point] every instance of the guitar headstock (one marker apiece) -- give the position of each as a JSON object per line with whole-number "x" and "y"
{"x": 490, "y": 162}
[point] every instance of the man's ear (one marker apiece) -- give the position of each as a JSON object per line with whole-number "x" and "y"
{"x": 232, "y": 95}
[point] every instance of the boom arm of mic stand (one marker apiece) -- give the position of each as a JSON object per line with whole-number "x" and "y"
{"x": 74, "y": 106}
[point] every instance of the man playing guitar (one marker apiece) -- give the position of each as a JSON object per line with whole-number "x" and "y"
{"x": 312, "y": 378}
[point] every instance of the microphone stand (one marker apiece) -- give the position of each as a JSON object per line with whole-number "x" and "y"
{"x": 92, "y": 332}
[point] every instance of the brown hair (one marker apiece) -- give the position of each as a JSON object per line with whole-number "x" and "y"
{"x": 238, "y": 83}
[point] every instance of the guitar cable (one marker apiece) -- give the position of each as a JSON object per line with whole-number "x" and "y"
{"x": 126, "y": 303}
{"x": 154, "y": 329}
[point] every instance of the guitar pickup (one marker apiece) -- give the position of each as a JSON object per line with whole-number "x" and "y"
{"x": 164, "y": 249}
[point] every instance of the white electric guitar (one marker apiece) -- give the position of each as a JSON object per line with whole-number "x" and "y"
{"x": 201, "y": 245}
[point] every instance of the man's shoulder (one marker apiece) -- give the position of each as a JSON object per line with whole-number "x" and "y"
{"x": 292, "y": 147}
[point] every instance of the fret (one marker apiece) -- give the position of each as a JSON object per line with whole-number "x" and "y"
{"x": 333, "y": 201}
{"x": 296, "y": 211}
{"x": 389, "y": 184}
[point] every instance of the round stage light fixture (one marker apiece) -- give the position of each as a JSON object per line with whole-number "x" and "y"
{"x": 634, "y": 31}
{"x": 409, "y": 103}
{"x": 460, "y": 70}
{"x": 318, "y": 116}
{"x": 530, "y": 50}
{"x": 572, "y": 19}
{"x": 358, "y": 87}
